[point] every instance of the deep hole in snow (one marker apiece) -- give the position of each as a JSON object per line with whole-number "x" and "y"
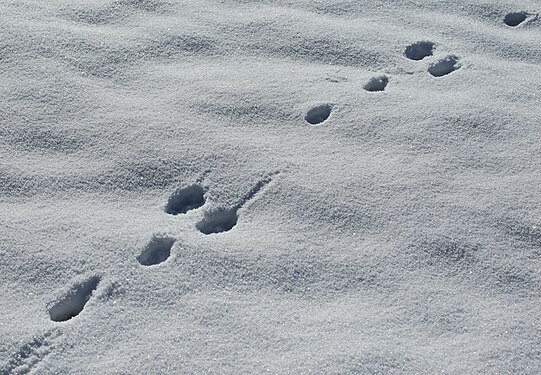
{"x": 218, "y": 221}
{"x": 376, "y": 83}
{"x": 318, "y": 114}
{"x": 185, "y": 199}
{"x": 515, "y": 18}
{"x": 157, "y": 251}
{"x": 74, "y": 301}
{"x": 419, "y": 50}
{"x": 444, "y": 66}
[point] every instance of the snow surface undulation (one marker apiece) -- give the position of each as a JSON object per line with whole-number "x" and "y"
{"x": 272, "y": 186}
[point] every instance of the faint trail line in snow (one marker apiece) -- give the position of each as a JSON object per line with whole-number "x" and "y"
{"x": 224, "y": 219}
{"x": 521, "y": 230}
{"x": 203, "y": 176}
{"x": 256, "y": 189}
{"x": 116, "y": 11}
{"x": 31, "y": 354}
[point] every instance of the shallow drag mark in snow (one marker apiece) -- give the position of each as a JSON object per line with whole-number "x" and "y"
{"x": 29, "y": 355}
{"x": 292, "y": 273}
{"x": 311, "y": 46}
{"x": 444, "y": 66}
{"x": 516, "y": 280}
{"x": 446, "y": 251}
{"x": 173, "y": 46}
{"x": 376, "y": 83}
{"x": 40, "y": 138}
{"x": 419, "y": 50}
{"x": 74, "y": 301}
{"x": 370, "y": 362}
{"x": 113, "y": 291}
{"x": 515, "y": 18}
{"x": 116, "y": 11}
{"x": 318, "y": 114}
{"x": 157, "y": 251}
{"x": 109, "y": 60}
{"x": 527, "y": 233}
{"x": 185, "y": 199}
{"x": 224, "y": 219}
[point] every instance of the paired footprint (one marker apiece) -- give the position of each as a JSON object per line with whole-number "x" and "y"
{"x": 419, "y": 50}
{"x": 217, "y": 220}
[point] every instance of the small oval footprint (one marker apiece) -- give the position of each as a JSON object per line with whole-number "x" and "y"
{"x": 185, "y": 199}
{"x": 74, "y": 301}
{"x": 419, "y": 50}
{"x": 377, "y": 83}
{"x": 157, "y": 251}
{"x": 444, "y": 66}
{"x": 515, "y": 18}
{"x": 218, "y": 221}
{"x": 318, "y": 114}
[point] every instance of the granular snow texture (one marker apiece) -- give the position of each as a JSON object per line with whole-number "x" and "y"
{"x": 273, "y": 186}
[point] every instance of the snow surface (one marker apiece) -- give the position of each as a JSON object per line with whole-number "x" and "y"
{"x": 171, "y": 201}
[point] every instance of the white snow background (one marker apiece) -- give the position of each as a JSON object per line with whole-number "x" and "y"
{"x": 281, "y": 187}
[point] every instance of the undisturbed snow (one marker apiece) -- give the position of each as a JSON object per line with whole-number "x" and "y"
{"x": 284, "y": 187}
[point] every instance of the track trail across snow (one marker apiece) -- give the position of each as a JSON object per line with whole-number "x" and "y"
{"x": 274, "y": 186}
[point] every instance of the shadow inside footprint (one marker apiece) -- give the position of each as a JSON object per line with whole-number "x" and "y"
{"x": 157, "y": 251}
{"x": 218, "y": 221}
{"x": 419, "y": 50}
{"x": 444, "y": 66}
{"x": 515, "y": 18}
{"x": 376, "y": 83}
{"x": 318, "y": 114}
{"x": 185, "y": 199}
{"x": 73, "y": 302}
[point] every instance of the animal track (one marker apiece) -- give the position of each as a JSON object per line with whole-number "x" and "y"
{"x": 318, "y": 114}
{"x": 157, "y": 251}
{"x": 448, "y": 251}
{"x": 112, "y": 291}
{"x": 30, "y": 354}
{"x": 521, "y": 230}
{"x": 419, "y": 50}
{"x": 185, "y": 199}
{"x": 74, "y": 301}
{"x": 515, "y": 18}
{"x": 376, "y": 83}
{"x": 224, "y": 219}
{"x": 515, "y": 280}
{"x": 116, "y": 11}
{"x": 218, "y": 221}
{"x": 444, "y": 66}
